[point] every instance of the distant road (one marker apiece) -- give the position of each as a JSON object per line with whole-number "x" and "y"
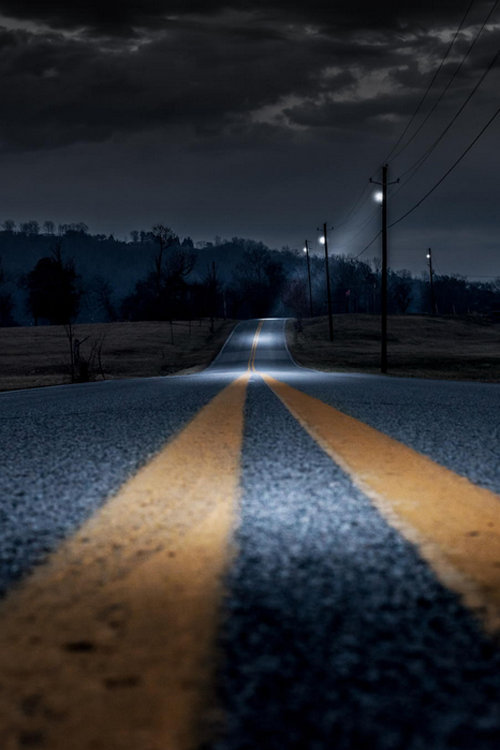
{"x": 257, "y": 556}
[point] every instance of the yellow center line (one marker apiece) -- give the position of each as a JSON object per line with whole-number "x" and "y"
{"x": 455, "y": 523}
{"x": 253, "y": 352}
{"x": 111, "y": 644}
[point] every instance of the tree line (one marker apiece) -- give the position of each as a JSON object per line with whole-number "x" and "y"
{"x": 156, "y": 275}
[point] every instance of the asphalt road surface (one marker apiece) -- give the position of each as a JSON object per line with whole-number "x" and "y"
{"x": 256, "y": 557}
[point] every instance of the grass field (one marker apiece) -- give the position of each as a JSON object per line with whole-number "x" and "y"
{"x": 37, "y": 356}
{"x": 455, "y": 348}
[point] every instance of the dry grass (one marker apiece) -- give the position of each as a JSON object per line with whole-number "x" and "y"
{"x": 453, "y": 348}
{"x": 37, "y": 356}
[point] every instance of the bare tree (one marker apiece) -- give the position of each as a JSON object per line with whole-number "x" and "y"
{"x": 401, "y": 289}
{"x": 49, "y": 227}
{"x": 9, "y": 226}
{"x": 164, "y": 238}
{"x": 31, "y": 227}
{"x": 104, "y": 297}
{"x": 259, "y": 279}
{"x": 213, "y": 289}
{"x": 295, "y": 296}
{"x": 86, "y": 367}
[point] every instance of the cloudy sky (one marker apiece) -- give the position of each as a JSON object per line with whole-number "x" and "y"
{"x": 258, "y": 119}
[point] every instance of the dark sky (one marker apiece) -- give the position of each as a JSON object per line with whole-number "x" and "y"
{"x": 258, "y": 119}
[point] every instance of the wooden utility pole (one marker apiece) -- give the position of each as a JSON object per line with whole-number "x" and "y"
{"x": 383, "y": 284}
{"x": 328, "y": 290}
{"x": 213, "y": 301}
{"x": 431, "y": 279}
{"x": 383, "y": 288}
{"x": 306, "y": 248}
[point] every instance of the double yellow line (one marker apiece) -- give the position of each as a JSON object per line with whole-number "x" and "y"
{"x": 253, "y": 351}
{"x": 111, "y": 644}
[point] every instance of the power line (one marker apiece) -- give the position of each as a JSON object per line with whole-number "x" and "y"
{"x": 464, "y": 153}
{"x": 430, "y": 84}
{"x": 346, "y": 219}
{"x": 354, "y": 212}
{"x": 457, "y": 70}
{"x": 369, "y": 245}
{"x": 357, "y": 208}
{"x": 426, "y": 155}
{"x": 420, "y": 162}
{"x": 362, "y": 225}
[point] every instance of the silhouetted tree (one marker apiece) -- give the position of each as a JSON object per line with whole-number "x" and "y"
{"x": 295, "y": 296}
{"x": 163, "y": 294}
{"x": 9, "y": 226}
{"x": 103, "y": 296}
{"x": 74, "y": 228}
{"x": 31, "y": 228}
{"x": 259, "y": 279}
{"x": 53, "y": 288}
{"x": 49, "y": 227}
{"x": 7, "y": 303}
{"x": 164, "y": 238}
{"x": 401, "y": 290}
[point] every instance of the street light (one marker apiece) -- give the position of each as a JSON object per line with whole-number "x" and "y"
{"x": 306, "y": 250}
{"x": 324, "y": 241}
{"x": 381, "y": 197}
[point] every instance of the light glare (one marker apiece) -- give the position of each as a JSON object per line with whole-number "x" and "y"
{"x": 379, "y": 196}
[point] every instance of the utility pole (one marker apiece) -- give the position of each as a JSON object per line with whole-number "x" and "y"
{"x": 213, "y": 301}
{"x": 431, "y": 279}
{"x": 383, "y": 289}
{"x": 328, "y": 290}
{"x": 306, "y": 250}
{"x": 383, "y": 285}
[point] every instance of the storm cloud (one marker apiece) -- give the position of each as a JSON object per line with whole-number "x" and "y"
{"x": 225, "y": 78}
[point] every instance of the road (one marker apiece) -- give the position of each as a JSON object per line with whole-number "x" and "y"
{"x": 256, "y": 556}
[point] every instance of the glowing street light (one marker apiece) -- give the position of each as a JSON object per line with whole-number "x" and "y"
{"x": 306, "y": 250}
{"x": 381, "y": 197}
{"x": 323, "y": 240}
